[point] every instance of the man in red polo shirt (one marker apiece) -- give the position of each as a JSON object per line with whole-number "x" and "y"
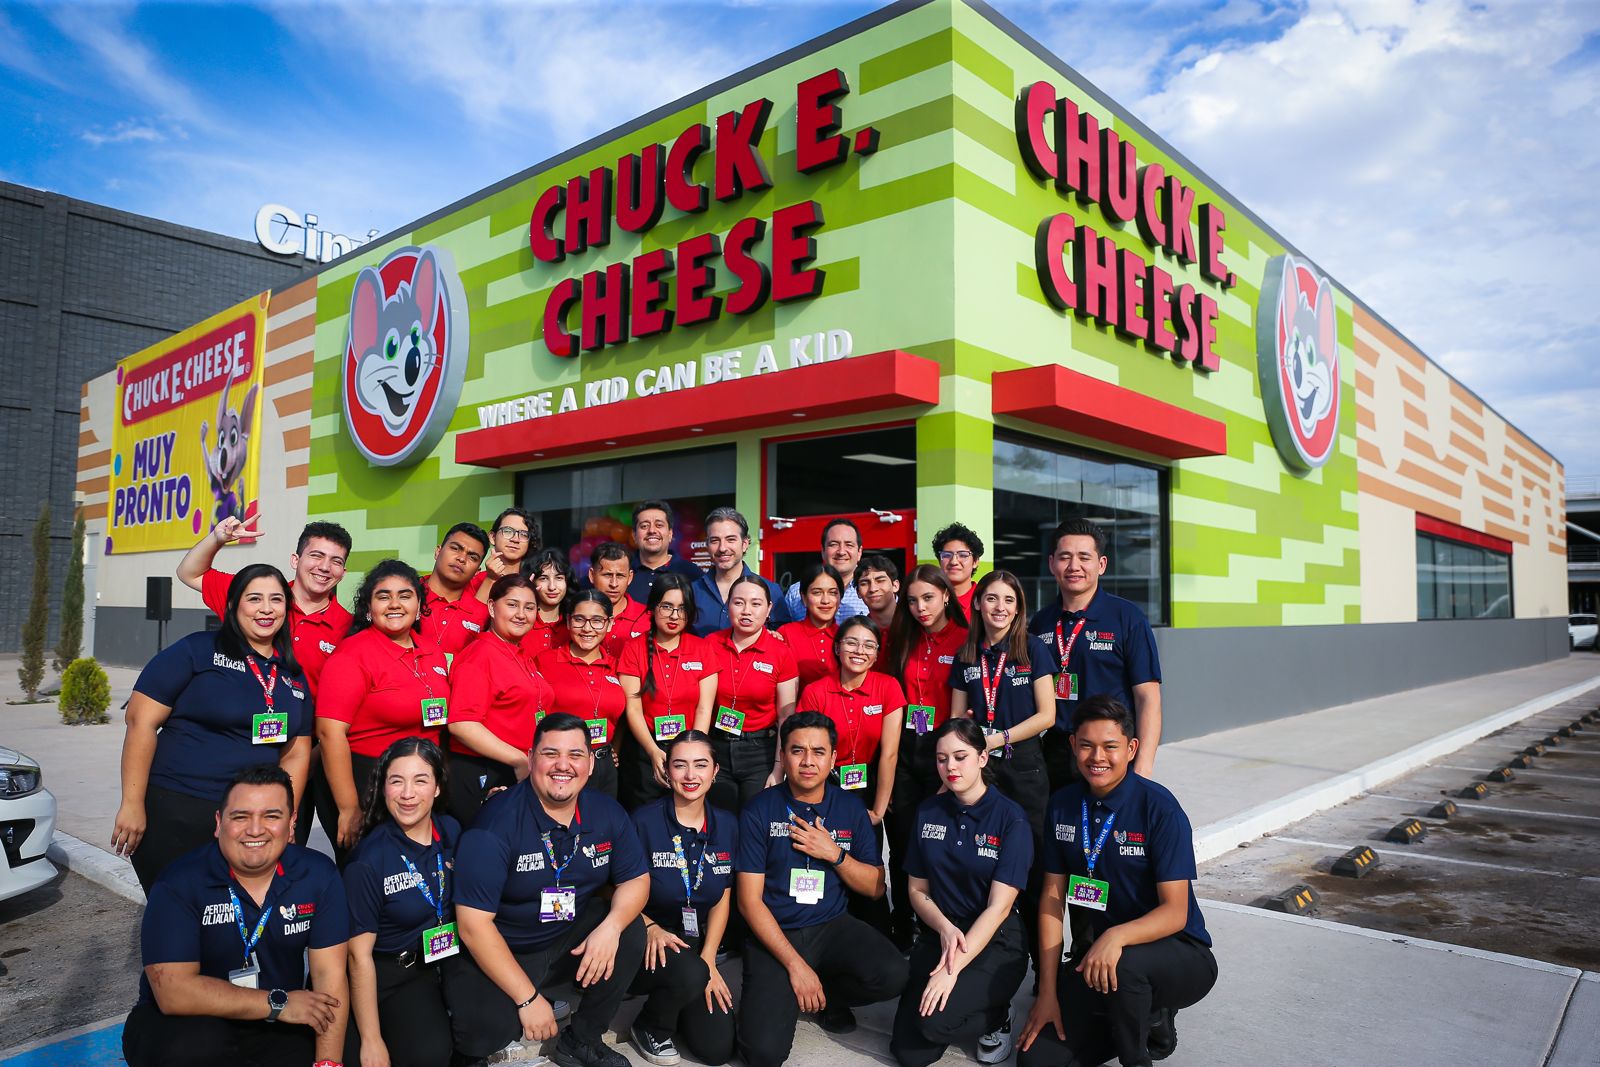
{"x": 611, "y": 572}
{"x": 452, "y": 616}
{"x": 317, "y": 621}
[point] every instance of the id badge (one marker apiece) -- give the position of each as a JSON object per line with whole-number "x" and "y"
{"x": 805, "y": 886}
{"x": 730, "y": 721}
{"x": 598, "y": 731}
{"x": 920, "y": 718}
{"x": 248, "y": 976}
{"x": 558, "y": 904}
{"x": 435, "y": 711}
{"x": 440, "y": 942}
{"x": 691, "y": 923}
{"x": 853, "y": 776}
{"x": 1067, "y": 686}
{"x": 269, "y": 728}
{"x": 668, "y": 727}
{"x": 1088, "y": 893}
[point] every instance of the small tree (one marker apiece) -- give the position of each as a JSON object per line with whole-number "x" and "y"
{"x": 71, "y": 642}
{"x": 85, "y": 693}
{"x": 31, "y": 674}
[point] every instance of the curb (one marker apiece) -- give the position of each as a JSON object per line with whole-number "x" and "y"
{"x": 96, "y": 864}
{"x": 1217, "y": 838}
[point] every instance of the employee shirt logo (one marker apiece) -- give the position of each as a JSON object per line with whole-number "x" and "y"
{"x": 405, "y": 355}
{"x": 1066, "y": 833}
{"x": 764, "y": 668}
{"x": 326, "y": 646}
{"x": 1297, "y": 361}
{"x": 530, "y": 861}
{"x": 932, "y": 831}
{"x": 217, "y": 915}
{"x": 292, "y": 912}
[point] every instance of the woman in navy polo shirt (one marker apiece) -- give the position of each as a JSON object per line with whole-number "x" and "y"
{"x": 583, "y": 681}
{"x": 671, "y": 682}
{"x": 811, "y": 638}
{"x": 402, "y": 914}
{"x": 757, "y": 681}
{"x": 690, "y": 846}
{"x": 553, "y": 582}
{"x": 967, "y": 859}
{"x": 495, "y": 700}
{"x": 206, "y": 707}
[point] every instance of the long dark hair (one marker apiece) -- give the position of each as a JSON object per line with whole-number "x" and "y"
{"x": 1015, "y": 638}
{"x": 557, "y": 559}
{"x": 231, "y": 639}
{"x": 665, "y": 583}
{"x": 905, "y": 629}
{"x": 360, "y": 617}
{"x": 811, "y": 574}
{"x": 585, "y": 596}
{"x": 377, "y": 810}
{"x": 971, "y": 734}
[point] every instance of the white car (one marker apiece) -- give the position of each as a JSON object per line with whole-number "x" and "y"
{"x": 1582, "y": 629}
{"x": 27, "y": 823}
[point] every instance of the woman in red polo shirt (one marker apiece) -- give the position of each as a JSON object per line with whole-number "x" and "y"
{"x": 553, "y": 582}
{"x": 928, "y": 632}
{"x": 583, "y": 682}
{"x": 811, "y": 638}
{"x": 495, "y": 701}
{"x": 670, "y": 677}
{"x": 384, "y": 682}
{"x": 757, "y": 682}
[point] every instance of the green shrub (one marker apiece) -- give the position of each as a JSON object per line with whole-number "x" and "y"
{"x": 85, "y": 693}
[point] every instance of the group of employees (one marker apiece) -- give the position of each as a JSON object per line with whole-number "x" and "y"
{"x": 530, "y": 785}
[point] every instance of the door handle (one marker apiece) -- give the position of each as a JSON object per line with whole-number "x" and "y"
{"x": 779, "y": 522}
{"x": 887, "y": 516}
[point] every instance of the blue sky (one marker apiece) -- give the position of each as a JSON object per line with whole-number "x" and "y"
{"x": 1438, "y": 156}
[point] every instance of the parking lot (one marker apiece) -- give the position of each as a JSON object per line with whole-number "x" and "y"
{"x": 1517, "y": 871}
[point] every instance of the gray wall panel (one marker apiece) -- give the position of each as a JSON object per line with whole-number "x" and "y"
{"x": 123, "y": 637}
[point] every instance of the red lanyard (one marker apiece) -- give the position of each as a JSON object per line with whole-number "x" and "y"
{"x": 267, "y": 684}
{"x": 415, "y": 655}
{"x": 851, "y": 724}
{"x": 991, "y": 690}
{"x": 588, "y": 680}
{"x": 1065, "y": 646}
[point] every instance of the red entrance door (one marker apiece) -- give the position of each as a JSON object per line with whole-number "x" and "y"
{"x": 790, "y": 544}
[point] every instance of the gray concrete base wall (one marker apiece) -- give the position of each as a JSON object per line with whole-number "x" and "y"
{"x": 1216, "y": 679}
{"x": 123, "y": 637}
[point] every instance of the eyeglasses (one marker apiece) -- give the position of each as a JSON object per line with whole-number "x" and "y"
{"x": 859, "y": 646}
{"x": 963, "y": 555}
{"x": 587, "y": 622}
{"x": 513, "y": 533}
{"x": 672, "y": 610}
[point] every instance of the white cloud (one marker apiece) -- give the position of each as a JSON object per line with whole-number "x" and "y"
{"x": 17, "y": 55}
{"x": 126, "y": 62}
{"x": 123, "y": 133}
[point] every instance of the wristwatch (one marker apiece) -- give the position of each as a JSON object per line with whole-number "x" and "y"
{"x": 277, "y": 1000}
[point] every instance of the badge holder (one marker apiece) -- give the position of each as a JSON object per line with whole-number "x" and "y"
{"x": 435, "y": 712}
{"x": 1067, "y": 686}
{"x": 920, "y": 719}
{"x": 248, "y": 976}
{"x": 558, "y": 904}
{"x": 853, "y": 776}
{"x": 1088, "y": 893}
{"x": 440, "y": 942}
{"x": 599, "y": 731}
{"x": 805, "y": 886}
{"x": 669, "y": 726}
{"x": 269, "y": 728}
{"x": 691, "y": 923}
{"x": 730, "y": 721}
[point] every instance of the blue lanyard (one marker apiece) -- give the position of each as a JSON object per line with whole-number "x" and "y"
{"x": 1091, "y": 858}
{"x": 422, "y": 883}
{"x": 250, "y": 939}
{"x": 699, "y": 864}
{"x": 560, "y": 868}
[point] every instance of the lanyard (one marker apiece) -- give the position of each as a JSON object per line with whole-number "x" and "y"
{"x": 422, "y": 883}
{"x": 991, "y": 690}
{"x": 589, "y": 682}
{"x": 1092, "y": 857}
{"x": 683, "y": 861}
{"x": 249, "y": 939}
{"x": 852, "y": 721}
{"x": 1064, "y": 646}
{"x": 793, "y": 818}
{"x": 738, "y": 675}
{"x": 550, "y": 852}
{"x": 415, "y": 655}
{"x": 268, "y": 684}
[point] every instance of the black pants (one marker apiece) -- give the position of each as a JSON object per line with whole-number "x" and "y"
{"x": 637, "y": 785}
{"x": 980, "y": 1001}
{"x": 411, "y": 1013}
{"x": 1060, "y": 762}
{"x": 743, "y": 765}
{"x": 857, "y": 965}
{"x": 874, "y": 911}
{"x": 174, "y": 823}
{"x": 676, "y": 1005}
{"x": 485, "y": 1019}
{"x": 151, "y": 1039}
{"x": 1172, "y": 973}
{"x": 361, "y": 768}
{"x": 915, "y": 780}
{"x": 1021, "y": 776}
{"x": 471, "y": 778}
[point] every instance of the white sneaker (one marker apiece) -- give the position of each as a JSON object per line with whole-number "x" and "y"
{"x": 517, "y": 1052}
{"x": 995, "y": 1046}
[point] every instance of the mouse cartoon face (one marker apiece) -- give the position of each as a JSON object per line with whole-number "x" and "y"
{"x": 1308, "y": 351}
{"x": 1298, "y": 361}
{"x": 393, "y": 342}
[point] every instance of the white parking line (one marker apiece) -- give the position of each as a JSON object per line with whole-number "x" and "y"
{"x": 1473, "y": 805}
{"x": 1437, "y": 859}
{"x": 1521, "y": 771}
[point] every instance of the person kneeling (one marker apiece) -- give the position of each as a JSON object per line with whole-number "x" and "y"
{"x": 528, "y": 881}
{"x": 802, "y": 844}
{"x": 226, "y": 935}
{"x": 1143, "y": 951}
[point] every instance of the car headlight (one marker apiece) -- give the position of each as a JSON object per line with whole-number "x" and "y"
{"x": 19, "y": 781}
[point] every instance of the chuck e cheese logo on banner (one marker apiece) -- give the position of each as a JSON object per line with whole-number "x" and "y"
{"x": 1297, "y": 359}
{"x": 184, "y": 448}
{"x": 405, "y": 355}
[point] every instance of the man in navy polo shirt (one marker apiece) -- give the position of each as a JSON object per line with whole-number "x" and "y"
{"x": 802, "y": 844}
{"x": 528, "y": 881}
{"x": 225, "y": 941}
{"x": 1105, "y": 647}
{"x": 1119, "y": 857}
{"x": 653, "y": 533}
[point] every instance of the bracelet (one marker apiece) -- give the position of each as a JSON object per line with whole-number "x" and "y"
{"x": 327, "y": 1063}
{"x": 1007, "y": 738}
{"x": 524, "y": 1004}
{"x": 843, "y": 855}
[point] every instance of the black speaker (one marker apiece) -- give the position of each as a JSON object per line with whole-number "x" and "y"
{"x": 158, "y": 598}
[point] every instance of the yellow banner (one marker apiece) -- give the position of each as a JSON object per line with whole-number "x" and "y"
{"x": 184, "y": 448}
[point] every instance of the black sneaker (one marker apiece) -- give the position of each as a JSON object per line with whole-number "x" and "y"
{"x": 658, "y": 1050}
{"x": 570, "y": 1052}
{"x": 837, "y": 1019}
{"x": 1163, "y": 1040}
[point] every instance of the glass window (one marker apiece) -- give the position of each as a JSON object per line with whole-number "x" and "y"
{"x": 1037, "y": 485}
{"x": 1456, "y": 580}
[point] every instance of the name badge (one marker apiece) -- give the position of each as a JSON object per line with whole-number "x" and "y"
{"x": 691, "y": 923}
{"x": 853, "y": 776}
{"x": 693, "y": 665}
{"x": 730, "y": 721}
{"x": 668, "y": 727}
{"x": 1088, "y": 893}
{"x": 805, "y": 886}
{"x": 558, "y": 904}
{"x": 1067, "y": 686}
{"x": 599, "y": 731}
{"x": 435, "y": 711}
{"x": 438, "y": 942}
{"x": 248, "y": 976}
{"x": 269, "y": 728}
{"x": 920, "y": 718}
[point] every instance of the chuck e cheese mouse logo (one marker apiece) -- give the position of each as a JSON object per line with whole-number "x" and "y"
{"x": 405, "y": 355}
{"x": 1297, "y": 358}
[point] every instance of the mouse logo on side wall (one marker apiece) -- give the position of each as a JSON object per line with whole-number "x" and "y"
{"x": 225, "y": 457}
{"x": 1297, "y": 360}
{"x": 405, "y": 355}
